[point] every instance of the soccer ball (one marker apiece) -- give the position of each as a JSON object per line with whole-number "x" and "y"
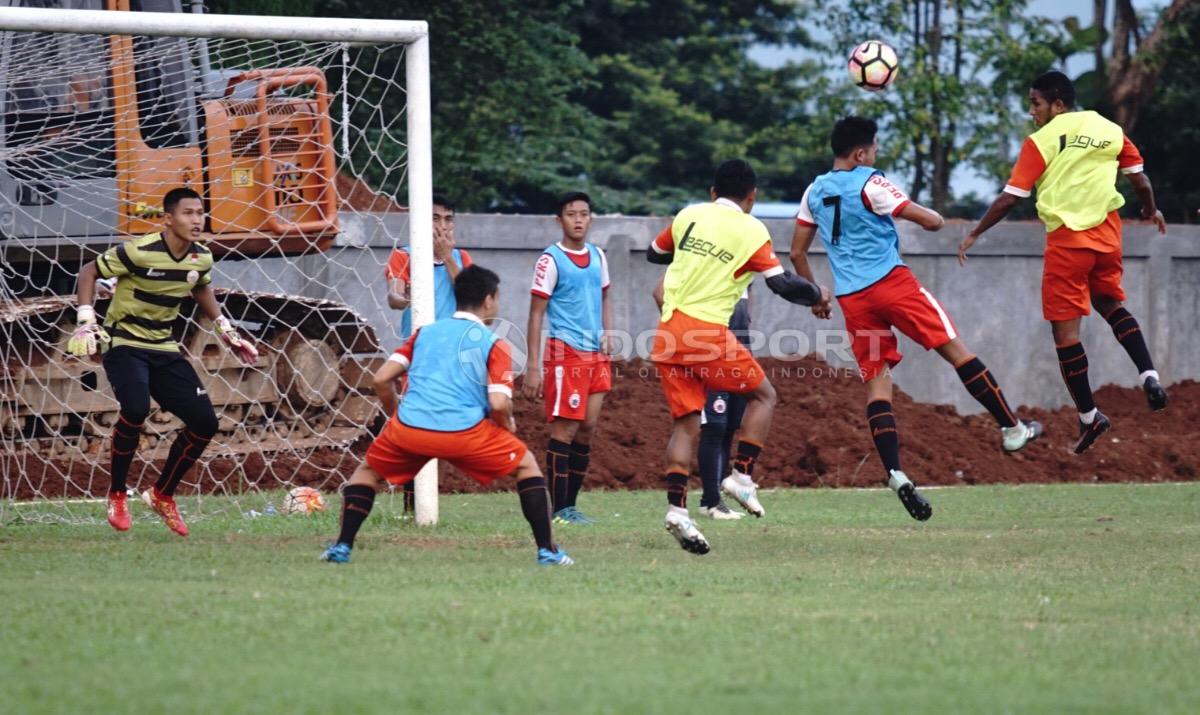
{"x": 303, "y": 500}
{"x": 873, "y": 65}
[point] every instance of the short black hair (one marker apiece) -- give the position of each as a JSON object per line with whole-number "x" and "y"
{"x": 851, "y": 133}
{"x": 571, "y": 197}
{"x": 174, "y": 196}
{"x": 440, "y": 199}
{"x": 1055, "y": 85}
{"x": 474, "y": 284}
{"x": 735, "y": 179}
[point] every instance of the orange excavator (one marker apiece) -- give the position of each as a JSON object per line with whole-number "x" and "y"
{"x": 86, "y": 155}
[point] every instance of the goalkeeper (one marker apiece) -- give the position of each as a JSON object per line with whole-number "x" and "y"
{"x": 157, "y": 273}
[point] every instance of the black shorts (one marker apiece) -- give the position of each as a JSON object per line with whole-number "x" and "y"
{"x": 136, "y": 375}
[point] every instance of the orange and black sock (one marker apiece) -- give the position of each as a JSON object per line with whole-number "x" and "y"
{"x": 677, "y": 489}
{"x": 577, "y": 467}
{"x": 558, "y": 467}
{"x": 357, "y": 500}
{"x": 185, "y": 450}
{"x": 882, "y": 422}
{"x": 1073, "y": 363}
{"x": 747, "y": 455}
{"x": 983, "y": 387}
{"x": 535, "y": 505}
{"x": 124, "y": 443}
{"x": 1127, "y": 331}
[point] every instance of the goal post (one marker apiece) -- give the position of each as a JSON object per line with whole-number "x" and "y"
{"x": 288, "y": 126}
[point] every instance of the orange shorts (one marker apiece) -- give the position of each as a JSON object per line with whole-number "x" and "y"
{"x": 569, "y": 377}
{"x": 1071, "y": 276}
{"x": 897, "y": 300}
{"x": 484, "y": 452}
{"x": 694, "y": 357}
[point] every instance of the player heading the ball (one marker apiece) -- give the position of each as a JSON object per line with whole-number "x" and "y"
{"x": 457, "y": 407}
{"x": 713, "y": 251}
{"x": 852, "y": 208}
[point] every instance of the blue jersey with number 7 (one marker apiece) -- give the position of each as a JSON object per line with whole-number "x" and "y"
{"x": 861, "y": 243}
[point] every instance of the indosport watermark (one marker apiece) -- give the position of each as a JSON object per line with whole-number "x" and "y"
{"x": 696, "y": 350}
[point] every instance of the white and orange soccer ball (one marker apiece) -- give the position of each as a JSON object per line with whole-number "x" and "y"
{"x": 303, "y": 500}
{"x": 873, "y": 65}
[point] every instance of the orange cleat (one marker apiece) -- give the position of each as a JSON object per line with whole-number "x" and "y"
{"x": 118, "y": 511}
{"x": 164, "y": 506}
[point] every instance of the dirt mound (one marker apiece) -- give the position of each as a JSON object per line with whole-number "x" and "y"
{"x": 819, "y": 438}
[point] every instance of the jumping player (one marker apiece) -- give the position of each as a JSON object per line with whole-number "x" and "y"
{"x": 714, "y": 250}
{"x": 719, "y": 423}
{"x": 852, "y": 208}
{"x": 1073, "y": 159}
{"x": 570, "y": 286}
{"x": 157, "y": 273}
{"x": 447, "y": 262}
{"x": 458, "y": 407}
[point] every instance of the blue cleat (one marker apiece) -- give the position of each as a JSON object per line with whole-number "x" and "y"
{"x": 337, "y": 554}
{"x": 546, "y": 557}
{"x": 571, "y": 515}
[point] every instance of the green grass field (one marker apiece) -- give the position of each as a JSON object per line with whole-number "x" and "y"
{"x": 1012, "y": 599}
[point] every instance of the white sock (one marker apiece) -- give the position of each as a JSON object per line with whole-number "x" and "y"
{"x": 677, "y": 509}
{"x": 743, "y": 479}
{"x": 1149, "y": 373}
{"x": 897, "y": 479}
{"x": 1088, "y": 417}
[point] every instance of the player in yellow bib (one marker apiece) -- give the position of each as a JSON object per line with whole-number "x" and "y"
{"x": 1073, "y": 160}
{"x": 155, "y": 275}
{"x": 714, "y": 250}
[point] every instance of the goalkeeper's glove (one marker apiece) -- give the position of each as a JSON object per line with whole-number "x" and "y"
{"x": 229, "y": 335}
{"x": 87, "y": 333}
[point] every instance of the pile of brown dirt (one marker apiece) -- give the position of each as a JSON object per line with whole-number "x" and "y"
{"x": 819, "y": 438}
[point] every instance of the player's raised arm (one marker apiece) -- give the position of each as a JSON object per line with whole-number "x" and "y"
{"x": 782, "y": 282}
{"x": 927, "y": 219}
{"x": 1029, "y": 168}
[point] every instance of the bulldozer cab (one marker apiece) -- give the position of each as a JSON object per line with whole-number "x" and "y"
{"x": 104, "y": 126}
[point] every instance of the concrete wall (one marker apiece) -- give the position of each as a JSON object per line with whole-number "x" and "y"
{"x": 994, "y": 301}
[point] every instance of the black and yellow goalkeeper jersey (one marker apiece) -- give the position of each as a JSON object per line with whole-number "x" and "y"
{"x": 153, "y": 284}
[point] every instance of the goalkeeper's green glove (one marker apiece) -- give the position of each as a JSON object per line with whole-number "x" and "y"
{"x": 83, "y": 341}
{"x": 244, "y": 349}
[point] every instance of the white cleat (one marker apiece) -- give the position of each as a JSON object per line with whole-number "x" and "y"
{"x": 681, "y": 526}
{"x": 744, "y": 492}
{"x": 721, "y": 512}
{"x": 1021, "y": 434}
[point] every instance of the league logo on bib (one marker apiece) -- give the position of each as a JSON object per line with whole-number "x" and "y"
{"x": 192, "y": 277}
{"x": 574, "y": 400}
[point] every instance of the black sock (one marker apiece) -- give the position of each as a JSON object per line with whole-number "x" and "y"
{"x": 747, "y": 454}
{"x": 712, "y": 459}
{"x": 677, "y": 489}
{"x": 124, "y": 444}
{"x": 357, "y": 500}
{"x": 1127, "y": 331}
{"x": 535, "y": 505}
{"x": 882, "y": 422}
{"x": 577, "y": 467}
{"x": 410, "y": 498}
{"x": 185, "y": 450}
{"x": 983, "y": 387}
{"x": 558, "y": 466}
{"x": 1073, "y": 363}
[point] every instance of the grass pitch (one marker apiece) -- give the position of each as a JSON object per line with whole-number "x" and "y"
{"x": 1012, "y": 599}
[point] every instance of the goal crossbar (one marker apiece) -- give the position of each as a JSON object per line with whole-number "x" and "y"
{"x": 250, "y": 27}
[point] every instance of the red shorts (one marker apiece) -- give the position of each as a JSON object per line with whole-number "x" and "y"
{"x": 694, "y": 357}
{"x": 567, "y": 386}
{"x": 484, "y": 452}
{"x": 1072, "y": 275}
{"x": 900, "y": 301}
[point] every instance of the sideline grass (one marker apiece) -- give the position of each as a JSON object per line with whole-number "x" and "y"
{"x": 1012, "y": 599}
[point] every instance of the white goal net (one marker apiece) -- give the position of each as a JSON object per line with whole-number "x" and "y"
{"x": 307, "y": 152}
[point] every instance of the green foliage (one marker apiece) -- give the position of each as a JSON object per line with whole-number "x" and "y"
{"x": 1167, "y": 132}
